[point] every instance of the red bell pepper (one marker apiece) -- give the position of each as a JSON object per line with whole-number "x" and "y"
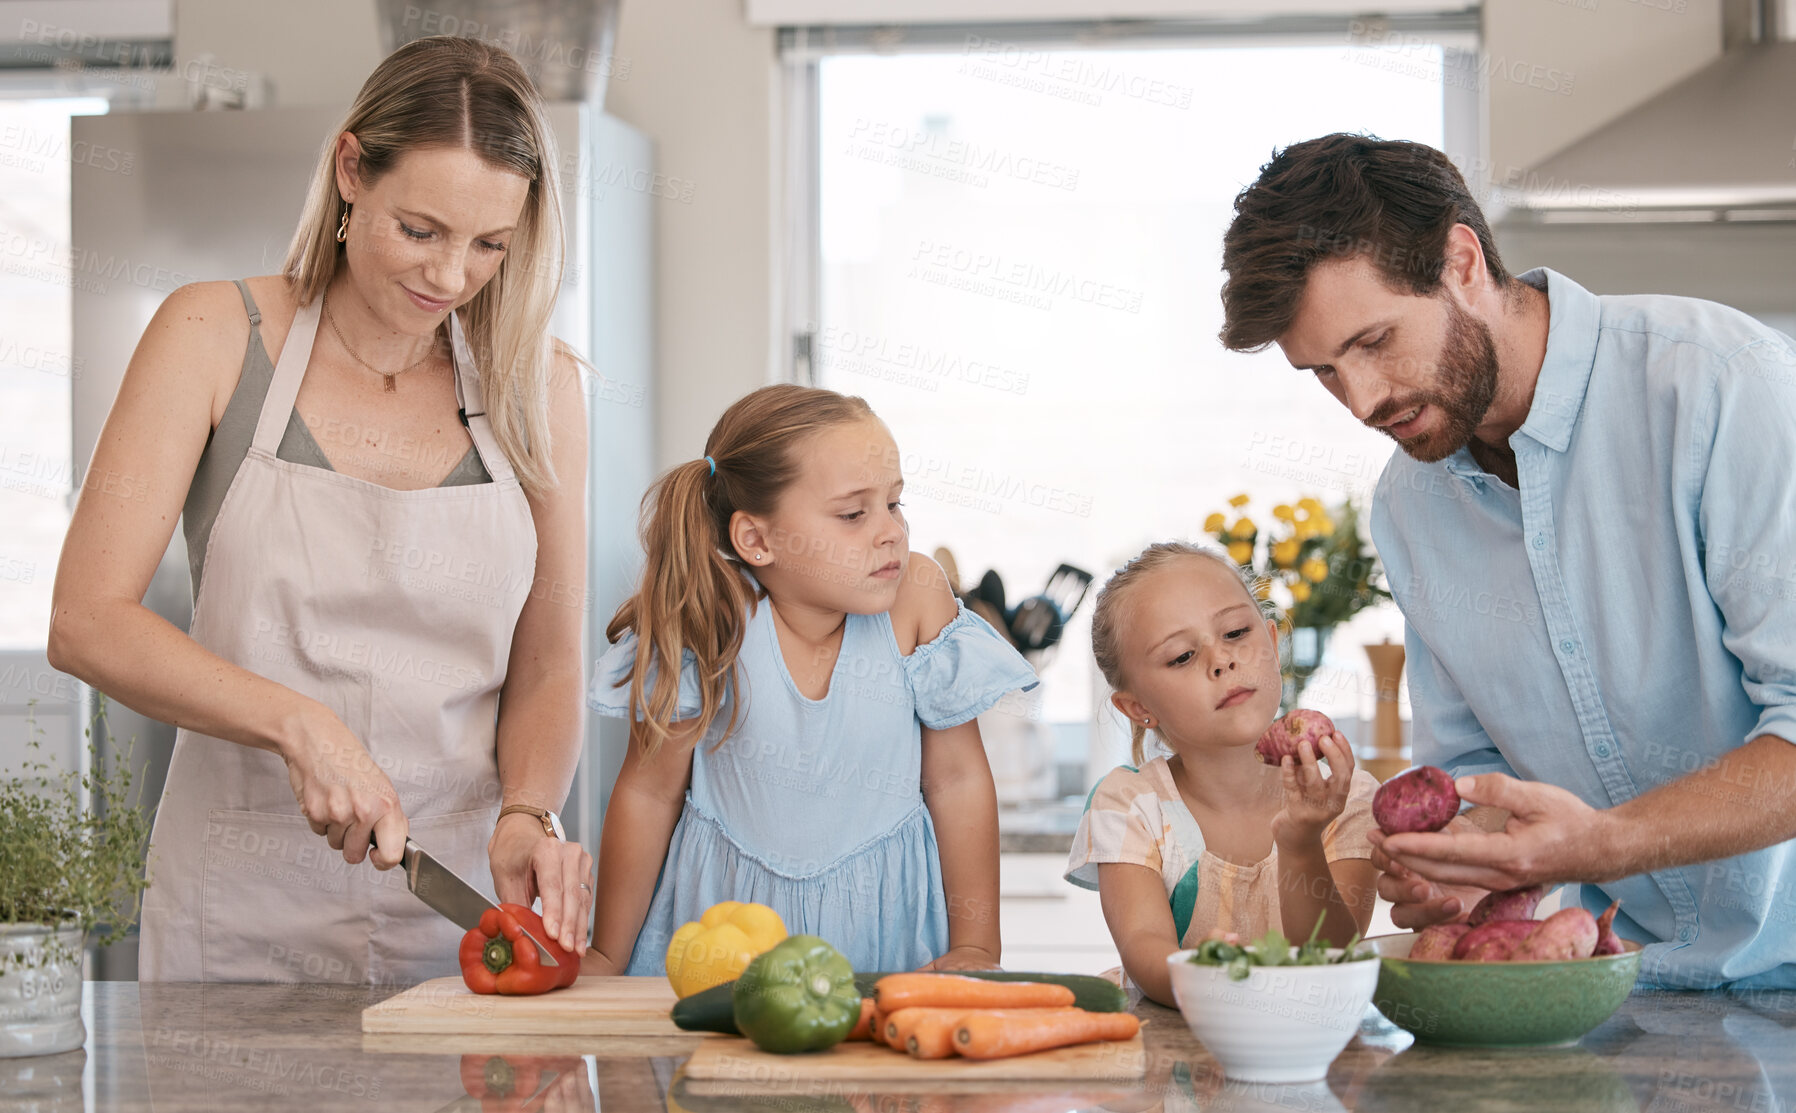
{"x": 510, "y": 1083}
{"x": 496, "y": 958}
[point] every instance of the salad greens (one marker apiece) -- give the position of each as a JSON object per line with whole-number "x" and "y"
{"x": 1273, "y": 949}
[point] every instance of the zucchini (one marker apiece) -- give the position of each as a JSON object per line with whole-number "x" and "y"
{"x": 714, "y": 1010}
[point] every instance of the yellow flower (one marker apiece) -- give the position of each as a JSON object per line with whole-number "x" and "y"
{"x": 1284, "y": 553}
{"x": 1263, "y": 590}
{"x": 1324, "y": 524}
{"x": 1215, "y": 523}
{"x": 1241, "y": 552}
{"x": 1238, "y": 501}
{"x": 1310, "y": 505}
{"x": 1300, "y": 591}
{"x": 1283, "y": 512}
{"x": 1306, "y": 529}
{"x": 1315, "y": 570}
{"x": 1244, "y": 527}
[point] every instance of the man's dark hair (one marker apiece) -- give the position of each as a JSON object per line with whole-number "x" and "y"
{"x": 1336, "y": 197}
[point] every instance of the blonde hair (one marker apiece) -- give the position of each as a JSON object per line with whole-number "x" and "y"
{"x": 451, "y": 91}
{"x": 694, "y": 594}
{"x": 1105, "y": 635}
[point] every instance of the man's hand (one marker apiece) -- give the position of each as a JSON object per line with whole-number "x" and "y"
{"x": 1417, "y": 902}
{"x": 1551, "y": 837}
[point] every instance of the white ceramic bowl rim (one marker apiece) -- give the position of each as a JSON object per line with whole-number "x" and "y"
{"x": 1184, "y": 956}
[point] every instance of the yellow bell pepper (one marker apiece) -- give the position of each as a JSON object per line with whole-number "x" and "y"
{"x": 719, "y": 945}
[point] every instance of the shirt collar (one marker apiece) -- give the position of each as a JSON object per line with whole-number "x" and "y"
{"x": 1574, "y": 320}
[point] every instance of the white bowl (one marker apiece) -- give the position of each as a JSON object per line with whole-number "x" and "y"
{"x": 1280, "y": 1023}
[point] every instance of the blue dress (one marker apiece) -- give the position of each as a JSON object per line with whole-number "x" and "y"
{"x": 815, "y": 807}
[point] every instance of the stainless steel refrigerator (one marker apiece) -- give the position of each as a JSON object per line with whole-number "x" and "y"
{"x": 215, "y": 195}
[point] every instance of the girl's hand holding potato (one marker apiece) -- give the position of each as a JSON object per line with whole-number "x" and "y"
{"x": 1312, "y": 801}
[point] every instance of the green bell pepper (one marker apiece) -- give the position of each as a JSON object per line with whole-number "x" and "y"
{"x": 799, "y": 996}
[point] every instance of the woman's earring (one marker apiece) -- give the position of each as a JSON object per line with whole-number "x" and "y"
{"x": 343, "y": 226}
{"x": 1147, "y": 720}
{"x": 757, "y": 556}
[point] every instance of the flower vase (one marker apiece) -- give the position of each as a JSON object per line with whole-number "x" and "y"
{"x": 1303, "y": 656}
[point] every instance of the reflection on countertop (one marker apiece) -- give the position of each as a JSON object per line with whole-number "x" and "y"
{"x": 190, "y": 1048}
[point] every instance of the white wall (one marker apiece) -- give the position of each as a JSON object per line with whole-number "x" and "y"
{"x": 700, "y": 83}
{"x": 1559, "y": 69}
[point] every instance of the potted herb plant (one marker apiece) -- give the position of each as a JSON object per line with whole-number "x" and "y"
{"x": 71, "y": 869}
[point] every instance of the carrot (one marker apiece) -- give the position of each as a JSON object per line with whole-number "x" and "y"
{"x": 900, "y": 1024}
{"x": 932, "y": 1036}
{"x": 951, "y": 991}
{"x": 863, "y": 1028}
{"x": 877, "y": 1029}
{"x": 1002, "y": 1033}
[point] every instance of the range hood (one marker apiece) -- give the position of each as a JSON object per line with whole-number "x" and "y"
{"x": 1718, "y": 146}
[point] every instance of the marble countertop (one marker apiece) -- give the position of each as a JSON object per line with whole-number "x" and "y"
{"x": 190, "y": 1048}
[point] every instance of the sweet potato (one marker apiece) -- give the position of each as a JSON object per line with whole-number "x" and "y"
{"x": 1507, "y": 904}
{"x": 1494, "y": 941}
{"x": 1422, "y": 799}
{"x": 1567, "y": 933}
{"x": 1607, "y": 942}
{"x": 1282, "y": 736}
{"x": 1437, "y": 941}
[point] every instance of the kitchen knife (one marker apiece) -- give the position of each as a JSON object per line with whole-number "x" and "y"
{"x": 437, "y": 885}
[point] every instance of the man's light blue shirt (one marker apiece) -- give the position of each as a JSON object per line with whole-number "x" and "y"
{"x": 1628, "y": 614}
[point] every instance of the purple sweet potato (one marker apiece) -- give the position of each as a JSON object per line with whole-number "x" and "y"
{"x": 1507, "y": 904}
{"x": 1567, "y": 933}
{"x": 1437, "y": 941}
{"x": 1494, "y": 941}
{"x": 1422, "y": 799}
{"x": 1282, "y": 736}
{"x": 1607, "y": 942}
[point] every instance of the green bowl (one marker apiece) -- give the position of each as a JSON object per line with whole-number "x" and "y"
{"x": 1499, "y": 1004}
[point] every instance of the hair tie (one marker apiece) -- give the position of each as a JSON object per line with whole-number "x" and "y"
{"x": 713, "y": 464}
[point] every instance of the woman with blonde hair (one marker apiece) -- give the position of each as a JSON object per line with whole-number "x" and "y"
{"x": 378, "y": 457}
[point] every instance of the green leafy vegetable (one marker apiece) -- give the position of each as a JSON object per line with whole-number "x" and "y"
{"x": 1273, "y": 949}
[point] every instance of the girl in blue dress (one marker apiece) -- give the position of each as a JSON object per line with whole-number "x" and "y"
{"x": 818, "y": 752}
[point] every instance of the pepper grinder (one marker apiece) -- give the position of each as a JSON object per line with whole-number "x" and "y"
{"x": 1387, "y": 758}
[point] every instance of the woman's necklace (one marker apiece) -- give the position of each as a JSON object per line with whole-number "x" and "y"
{"x": 392, "y": 387}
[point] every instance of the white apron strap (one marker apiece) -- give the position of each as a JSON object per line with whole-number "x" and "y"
{"x": 473, "y": 405}
{"x": 289, "y": 372}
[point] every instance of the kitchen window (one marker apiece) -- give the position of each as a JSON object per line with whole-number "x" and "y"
{"x": 1008, "y": 242}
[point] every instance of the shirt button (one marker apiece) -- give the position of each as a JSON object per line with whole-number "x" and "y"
{"x": 1566, "y": 645}
{"x": 1602, "y": 749}
{"x": 1686, "y": 934}
{"x": 1540, "y": 541}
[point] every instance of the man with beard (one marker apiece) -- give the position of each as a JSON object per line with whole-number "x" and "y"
{"x": 1591, "y": 530}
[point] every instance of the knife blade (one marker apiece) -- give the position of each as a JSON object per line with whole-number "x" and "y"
{"x": 439, "y": 887}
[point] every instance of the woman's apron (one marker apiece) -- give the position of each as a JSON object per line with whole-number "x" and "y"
{"x": 395, "y": 609}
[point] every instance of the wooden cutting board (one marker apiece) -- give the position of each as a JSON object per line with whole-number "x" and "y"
{"x": 592, "y": 1006}
{"x": 734, "y": 1059}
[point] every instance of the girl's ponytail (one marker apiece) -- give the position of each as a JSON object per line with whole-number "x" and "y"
{"x": 692, "y": 596}
{"x": 695, "y": 593}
